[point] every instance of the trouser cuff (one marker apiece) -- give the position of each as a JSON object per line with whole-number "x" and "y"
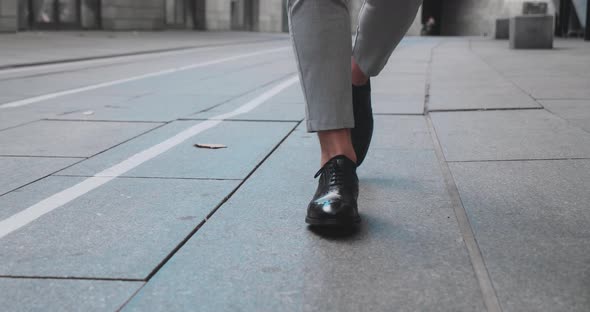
{"x": 325, "y": 125}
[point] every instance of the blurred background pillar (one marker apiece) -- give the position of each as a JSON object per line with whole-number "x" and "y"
{"x": 133, "y": 15}
{"x": 587, "y": 22}
{"x": 8, "y": 15}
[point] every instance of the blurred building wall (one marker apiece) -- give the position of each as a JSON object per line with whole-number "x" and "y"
{"x": 457, "y": 17}
{"x": 477, "y": 17}
{"x": 464, "y": 17}
{"x": 355, "y": 7}
{"x": 8, "y": 15}
{"x": 132, "y": 14}
{"x": 470, "y": 17}
{"x": 271, "y": 16}
{"x": 218, "y": 14}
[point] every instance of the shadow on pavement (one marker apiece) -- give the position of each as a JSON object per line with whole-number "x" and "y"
{"x": 336, "y": 233}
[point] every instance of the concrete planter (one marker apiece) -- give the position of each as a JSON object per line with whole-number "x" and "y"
{"x": 531, "y": 32}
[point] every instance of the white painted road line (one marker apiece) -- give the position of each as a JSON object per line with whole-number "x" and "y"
{"x": 120, "y": 81}
{"x": 49, "y": 204}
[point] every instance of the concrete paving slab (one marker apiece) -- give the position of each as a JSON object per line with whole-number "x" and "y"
{"x": 531, "y": 222}
{"x": 410, "y": 57}
{"x": 395, "y": 94}
{"x": 168, "y": 85}
{"x": 175, "y": 83}
{"x": 68, "y": 104}
{"x": 67, "y": 138}
{"x": 243, "y": 76}
{"x": 64, "y": 295}
{"x": 10, "y": 119}
{"x": 157, "y": 63}
{"x": 561, "y": 73}
{"x": 150, "y": 107}
{"x": 288, "y": 105}
{"x": 18, "y": 171}
{"x": 56, "y": 108}
{"x": 399, "y": 94}
{"x": 397, "y": 104}
{"x": 293, "y": 94}
{"x": 11, "y": 204}
{"x": 27, "y": 87}
{"x": 165, "y": 84}
{"x": 122, "y": 229}
{"x": 247, "y": 144}
{"x": 461, "y": 80}
{"x": 555, "y": 87}
{"x": 460, "y": 97}
{"x": 234, "y": 84}
{"x": 577, "y": 112}
{"x": 569, "y": 109}
{"x": 400, "y": 132}
{"x": 408, "y": 253}
{"x": 402, "y": 63}
{"x": 5, "y": 99}
{"x": 509, "y": 135}
{"x": 32, "y": 84}
{"x": 406, "y": 84}
{"x": 581, "y": 123}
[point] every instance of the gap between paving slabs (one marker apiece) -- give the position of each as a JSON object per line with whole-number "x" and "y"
{"x": 65, "y": 167}
{"x": 491, "y": 301}
{"x": 480, "y": 270}
{"x": 240, "y": 255}
{"x": 196, "y": 229}
{"x": 477, "y": 261}
{"x": 219, "y": 206}
{"x": 266, "y": 94}
{"x": 71, "y": 278}
{"x": 86, "y": 211}
{"x": 64, "y": 295}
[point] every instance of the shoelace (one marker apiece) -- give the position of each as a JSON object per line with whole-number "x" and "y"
{"x": 333, "y": 173}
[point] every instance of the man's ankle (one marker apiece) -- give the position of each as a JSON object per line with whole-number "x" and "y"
{"x": 358, "y": 77}
{"x": 327, "y": 156}
{"x": 334, "y": 143}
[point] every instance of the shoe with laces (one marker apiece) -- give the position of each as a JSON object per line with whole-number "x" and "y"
{"x": 335, "y": 201}
{"x": 362, "y": 133}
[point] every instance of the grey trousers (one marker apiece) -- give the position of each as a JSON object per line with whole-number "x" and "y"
{"x": 320, "y": 32}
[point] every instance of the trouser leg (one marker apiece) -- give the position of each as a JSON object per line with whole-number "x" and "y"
{"x": 320, "y": 31}
{"x": 382, "y": 25}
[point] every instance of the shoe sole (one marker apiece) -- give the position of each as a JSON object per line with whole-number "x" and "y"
{"x": 333, "y": 222}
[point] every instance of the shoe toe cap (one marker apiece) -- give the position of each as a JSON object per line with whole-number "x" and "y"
{"x": 331, "y": 209}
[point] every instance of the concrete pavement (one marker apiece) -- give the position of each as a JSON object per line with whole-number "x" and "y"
{"x": 474, "y": 195}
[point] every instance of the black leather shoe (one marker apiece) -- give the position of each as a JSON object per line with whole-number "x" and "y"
{"x": 335, "y": 201}
{"x": 363, "y": 118}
